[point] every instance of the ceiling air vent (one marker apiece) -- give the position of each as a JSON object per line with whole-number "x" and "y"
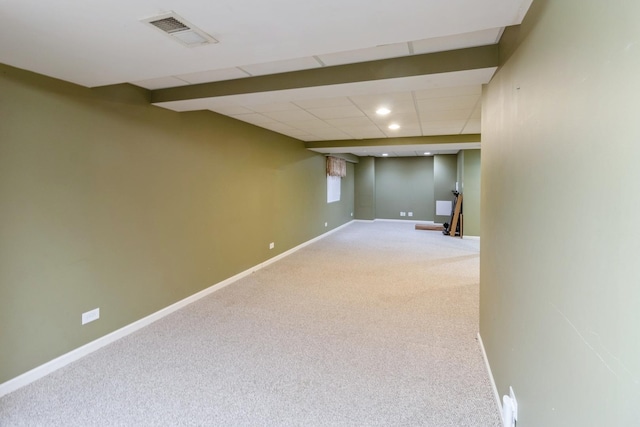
{"x": 180, "y": 29}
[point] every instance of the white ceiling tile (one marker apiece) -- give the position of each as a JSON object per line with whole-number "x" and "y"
{"x": 364, "y": 132}
{"x": 467, "y": 102}
{"x": 395, "y": 117}
{"x": 324, "y": 102}
{"x": 445, "y": 115}
{"x": 278, "y": 127}
{"x": 441, "y": 92}
{"x": 230, "y": 110}
{"x": 375, "y": 101}
{"x": 267, "y": 108}
{"x": 458, "y": 41}
{"x": 296, "y": 133}
{"x": 213, "y": 75}
{"x": 399, "y": 107}
{"x": 254, "y": 118}
{"x": 350, "y": 122}
{"x": 281, "y": 66}
{"x": 308, "y": 137}
{"x": 285, "y": 116}
{"x": 456, "y": 124}
{"x": 160, "y": 83}
{"x": 368, "y": 54}
{"x": 403, "y": 131}
{"x": 477, "y": 112}
{"x": 309, "y": 125}
{"x": 336, "y": 112}
{"x": 473, "y": 126}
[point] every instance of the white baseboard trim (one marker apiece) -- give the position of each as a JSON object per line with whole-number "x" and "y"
{"x": 67, "y": 358}
{"x": 496, "y": 394}
{"x": 403, "y": 220}
{"x": 471, "y": 237}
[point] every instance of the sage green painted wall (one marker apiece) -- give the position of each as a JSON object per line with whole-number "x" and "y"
{"x": 110, "y": 202}
{"x": 460, "y": 159}
{"x": 445, "y": 173}
{"x": 404, "y": 184}
{"x": 559, "y": 292}
{"x": 365, "y": 189}
{"x": 471, "y": 191}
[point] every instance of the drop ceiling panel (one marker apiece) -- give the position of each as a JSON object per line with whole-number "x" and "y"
{"x": 279, "y": 127}
{"x": 350, "y": 122}
{"x": 213, "y": 75}
{"x": 441, "y": 124}
{"x": 368, "y": 54}
{"x": 394, "y": 101}
{"x": 458, "y": 41}
{"x": 281, "y": 66}
{"x": 324, "y": 102}
{"x": 440, "y": 92}
{"x": 267, "y": 108}
{"x": 364, "y": 132}
{"x": 473, "y": 126}
{"x": 336, "y": 112}
{"x": 309, "y": 125}
{"x": 231, "y": 110}
{"x": 403, "y": 131}
{"x": 288, "y": 115}
{"x": 448, "y": 103}
{"x": 408, "y": 116}
{"x": 254, "y": 118}
{"x": 401, "y": 107}
{"x": 477, "y": 111}
{"x": 161, "y": 83}
{"x": 445, "y": 115}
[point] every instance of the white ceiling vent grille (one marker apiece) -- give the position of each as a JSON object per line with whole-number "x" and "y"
{"x": 180, "y": 29}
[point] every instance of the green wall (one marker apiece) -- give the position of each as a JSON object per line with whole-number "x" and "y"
{"x": 110, "y": 202}
{"x": 365, "y": 188}
{"x": 404, "y": 184}
{"x": 559, "y": 292}
{"x": 445, "y": 172}
{"x": 470, "y": 186}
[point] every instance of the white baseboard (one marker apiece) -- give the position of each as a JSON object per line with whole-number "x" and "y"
{"x": 496, "y": 394}
{"x": 471, "y": 237}
{"x": 67, "y": 358}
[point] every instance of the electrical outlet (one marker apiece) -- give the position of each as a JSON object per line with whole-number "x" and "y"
{"x": 90, "y": 316}
{"x": 351, "y": 213}
{"x": 326, "y": 224}
{"x": 403, "y": 214}
{"x": 410, "y": 213}
{"x": 272, "y": 245}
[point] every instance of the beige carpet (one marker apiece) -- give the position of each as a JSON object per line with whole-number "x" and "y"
{"x": 375, "y": 325}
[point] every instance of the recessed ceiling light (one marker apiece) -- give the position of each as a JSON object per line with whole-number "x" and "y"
{"x": 427, "y": 153}
{"x": 394, "y": 126}
{"x": 382, "y": 111}
{"x": 384, "y": 154}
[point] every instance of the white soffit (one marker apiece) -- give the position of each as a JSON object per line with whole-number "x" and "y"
{"x": 403, "y": 84}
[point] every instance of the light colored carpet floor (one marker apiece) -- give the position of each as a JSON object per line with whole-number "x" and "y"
{"x": 374, "y": 325}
